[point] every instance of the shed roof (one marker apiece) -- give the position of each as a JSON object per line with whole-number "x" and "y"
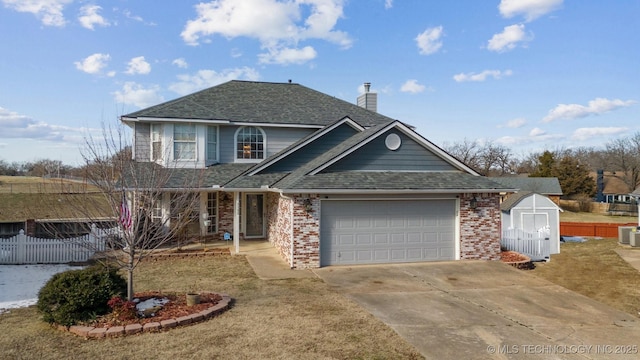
{"x": 540, "y": 185}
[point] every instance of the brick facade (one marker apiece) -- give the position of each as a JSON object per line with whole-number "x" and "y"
{"x": 306, "y": 231}
{"x": 293, "y": 227}
{"x": 279, "y": 224}
{"x": 480, "y": 228}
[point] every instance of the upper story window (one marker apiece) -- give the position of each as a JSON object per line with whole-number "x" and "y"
{"x": 212, "y": 144}
{"x": 184, "y": 142}
{"x": 156, "y": 142}
{"x": 250, "y": 143}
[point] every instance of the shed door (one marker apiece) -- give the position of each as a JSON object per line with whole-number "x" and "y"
{"x": 534, "y": 222}
{"x": 386, "y": 231}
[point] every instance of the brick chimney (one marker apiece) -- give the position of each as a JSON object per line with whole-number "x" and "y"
{"x": 368, "y": 100}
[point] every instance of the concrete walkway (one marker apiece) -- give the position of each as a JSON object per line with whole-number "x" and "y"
{"x": 267, "y": 263}
{"x": 632, "y": 256}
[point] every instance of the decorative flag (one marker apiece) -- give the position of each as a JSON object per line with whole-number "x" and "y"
{"x": 125, "y": 214}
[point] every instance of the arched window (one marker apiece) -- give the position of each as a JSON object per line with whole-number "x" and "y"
{"x": 250, "y": 143}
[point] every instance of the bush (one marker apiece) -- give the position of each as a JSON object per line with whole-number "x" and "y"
{"x": 79, "y": 295}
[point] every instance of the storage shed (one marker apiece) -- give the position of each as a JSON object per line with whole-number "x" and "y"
{"x": 532, "y": 213}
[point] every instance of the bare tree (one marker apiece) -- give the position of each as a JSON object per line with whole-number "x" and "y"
{"x": 624, "y": 158}
{"x": 148, "y": 205}
{"x": 487, "y": 158}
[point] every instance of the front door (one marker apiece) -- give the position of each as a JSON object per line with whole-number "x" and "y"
{"x": 254, "y": 215}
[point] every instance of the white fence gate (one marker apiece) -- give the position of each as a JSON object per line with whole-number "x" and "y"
{"x": 23, "y": 249}
{"x": 534, "y": 245}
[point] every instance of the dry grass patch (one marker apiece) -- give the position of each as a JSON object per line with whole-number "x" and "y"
{"x": 38, "y": 185}
{"x": 571, "y": 216}
{"x": 288, "y": 319}
{"x": 594, "y": 269}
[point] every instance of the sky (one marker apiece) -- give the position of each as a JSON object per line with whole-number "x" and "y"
{"x": 530, "y": 75}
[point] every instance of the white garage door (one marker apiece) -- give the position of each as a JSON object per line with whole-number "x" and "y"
{"x": 386, "y": 231}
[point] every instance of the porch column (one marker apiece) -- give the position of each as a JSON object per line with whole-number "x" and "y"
{"x": 236, "y": 222}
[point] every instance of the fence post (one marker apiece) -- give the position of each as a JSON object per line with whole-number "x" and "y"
{"x": 21, "y": 247}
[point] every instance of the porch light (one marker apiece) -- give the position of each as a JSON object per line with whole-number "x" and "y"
{"x": 307, "y": 205}
{"x": 473, "y": 203}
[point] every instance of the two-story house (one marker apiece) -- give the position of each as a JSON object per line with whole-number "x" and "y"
{"x": 323, "y": 180}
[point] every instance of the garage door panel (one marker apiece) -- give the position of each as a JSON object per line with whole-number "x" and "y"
{"x": 364, "y": 256}
{"x": 364, "y": 239}
{"x": 387, "y": 231}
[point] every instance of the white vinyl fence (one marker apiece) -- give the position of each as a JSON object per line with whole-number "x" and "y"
{"x": 23, "y": 249}
{"x": 534, "y": 245}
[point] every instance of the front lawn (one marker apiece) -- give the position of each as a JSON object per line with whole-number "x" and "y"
{"x": 594, "y": 269}
{"x": 295, "y": 318}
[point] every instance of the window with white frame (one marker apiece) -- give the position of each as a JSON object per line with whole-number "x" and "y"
{"x": 212, "y": 144}
{"x": 156, "y": 142}
{"x": 250, "y": 143}
{"x": 184, "y": 142}
{"x": 212, "y": 210}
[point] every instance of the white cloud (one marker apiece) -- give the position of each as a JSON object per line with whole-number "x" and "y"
{"x": 49, "y": 12}
{"x": 136, "y": 94}
{"x": 412, "y": 86}
{"x": 536, "y": 135}
{"x": 530, "y": 9}
{"x": 509, "y": 38}
{"x": 496, "y": 74}
{"x": 93, "y": 64}
{"x": 388, "y": 4}
{"x": 582, "y": 134}
{"x": 288, "y": 55}
{"x": 536, "y": 132}
{"x": 138, "y": 65}
{"x": 236, "y": 53}
{"x": 514, "y": 123}
{"x": 181, "y": 63}
{"x": 207, "y": 78}
{"x": 595, "y": 107}
{"x": 89, "y": 17}
{"x": 288, "y": 23}
{"x": 16, "y": 126}
{"x": 429, "y": 40}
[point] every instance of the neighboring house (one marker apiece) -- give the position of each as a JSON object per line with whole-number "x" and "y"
{"x": 323, "y": 180}
{"x": 533, "y": 213}
{"x": 547, "y": 186}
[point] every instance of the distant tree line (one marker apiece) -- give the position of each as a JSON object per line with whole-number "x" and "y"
{"x": 572, "y": 167}
{"x": 51, "y": 168}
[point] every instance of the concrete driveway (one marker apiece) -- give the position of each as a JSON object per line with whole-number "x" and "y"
{"x": 480, "y": 310}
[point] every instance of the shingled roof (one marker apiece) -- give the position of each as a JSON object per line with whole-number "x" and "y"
{"x": 261, "y": 102}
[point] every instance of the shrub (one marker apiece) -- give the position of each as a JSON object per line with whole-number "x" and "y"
{"x": 79, "y": 295}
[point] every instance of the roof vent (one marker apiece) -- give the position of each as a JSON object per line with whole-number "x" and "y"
{"x": 368, "y": 100}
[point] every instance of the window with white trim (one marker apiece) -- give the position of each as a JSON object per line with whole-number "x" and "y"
{"x": 212, "y": 210}
{"x": 250, "y": 143}
{"x": 184, "y": 142}
{"x": 212, "y": 144}
{"x": 156, "y": 142}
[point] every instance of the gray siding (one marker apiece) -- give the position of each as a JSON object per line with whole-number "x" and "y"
{"x": 142, "y": 141}
{"x": 375, "y": 156}
{"x": 312, "y": 150}
{"x": 277, "y": 140}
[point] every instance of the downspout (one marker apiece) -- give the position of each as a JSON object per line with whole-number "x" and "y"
{"x": 236, "y": 222}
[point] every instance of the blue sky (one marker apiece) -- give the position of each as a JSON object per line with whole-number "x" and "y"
{"x": 526, "y": 74}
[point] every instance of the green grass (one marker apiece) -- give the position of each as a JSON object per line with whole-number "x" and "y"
{"x": 287, "y": 319}
{"x": 594, "y": 217}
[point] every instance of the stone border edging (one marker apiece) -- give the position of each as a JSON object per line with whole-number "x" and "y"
{"x": 114, "y": 331}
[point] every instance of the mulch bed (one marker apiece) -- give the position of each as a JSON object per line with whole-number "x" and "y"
{"x": 175, "y": 308}
{"x": 517, "y": 260}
